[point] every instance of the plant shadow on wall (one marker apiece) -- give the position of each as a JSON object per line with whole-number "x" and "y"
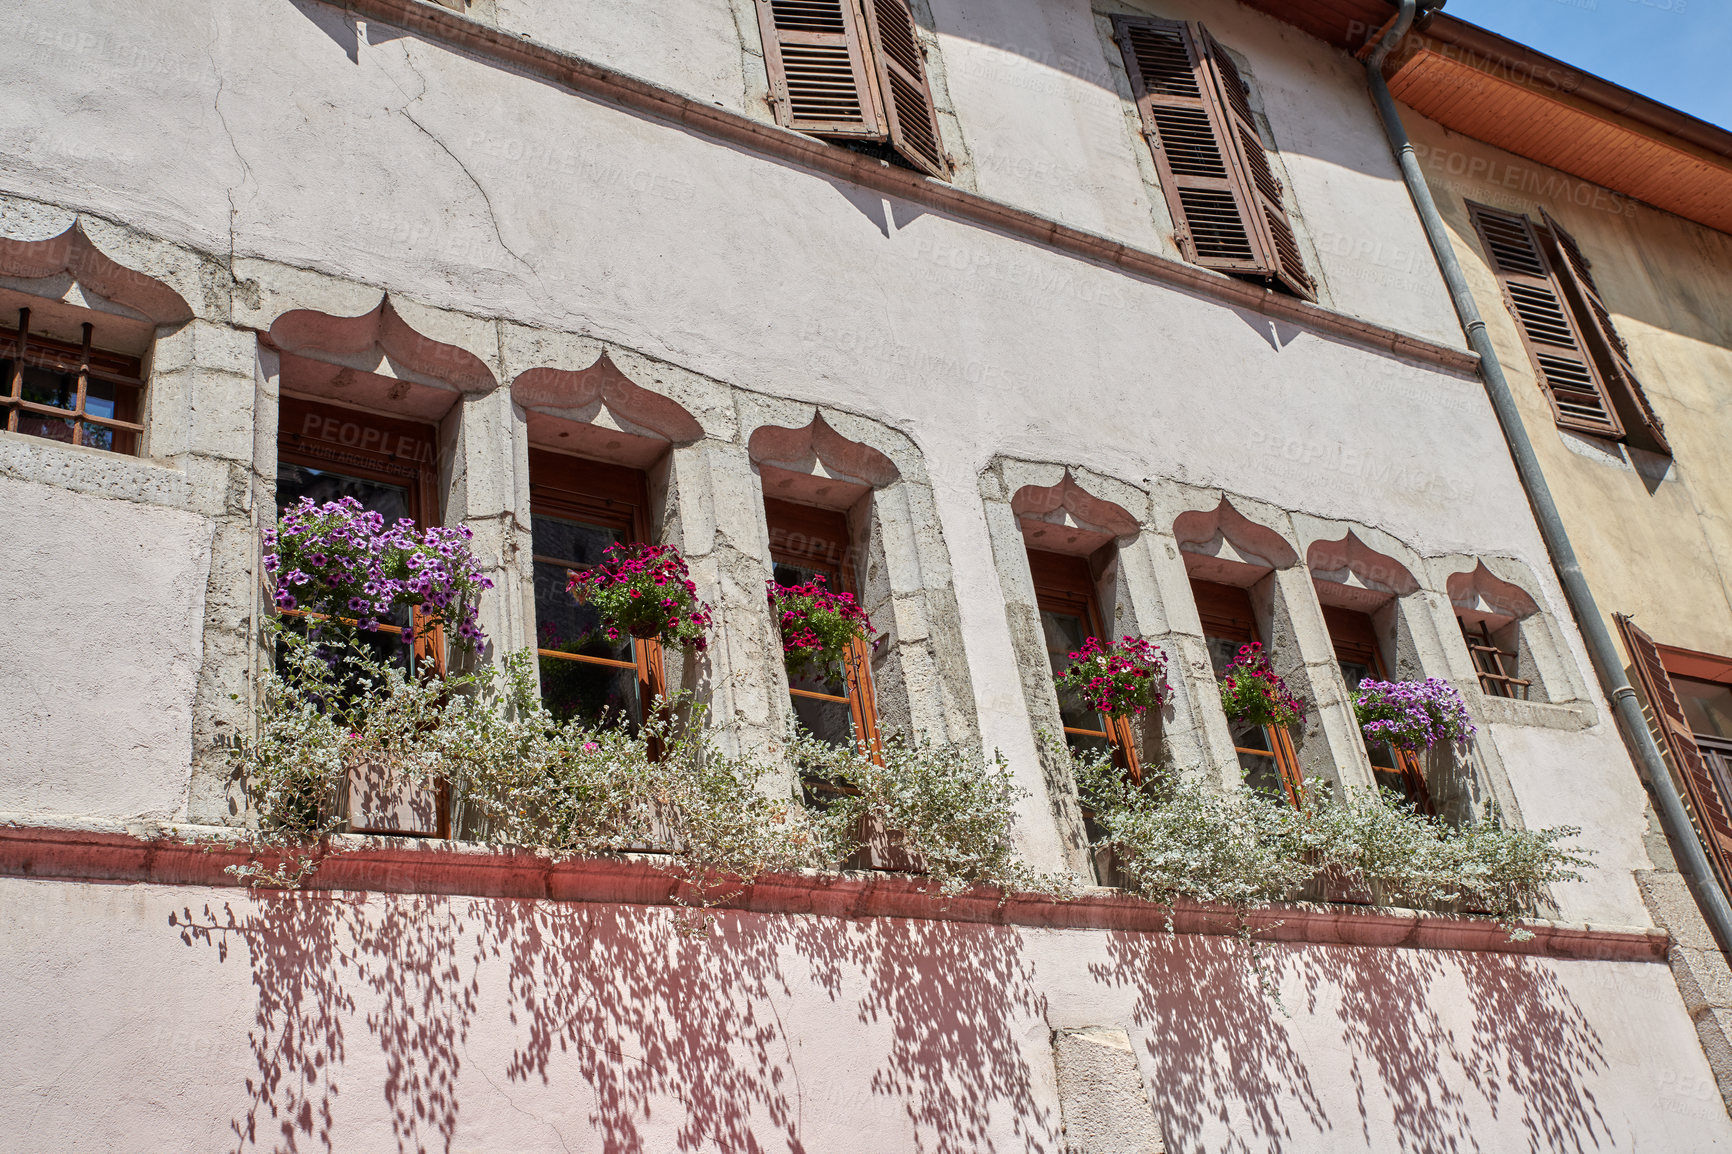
{"x": 494, "y": 1009}
{"x": 1232, "y": 1069}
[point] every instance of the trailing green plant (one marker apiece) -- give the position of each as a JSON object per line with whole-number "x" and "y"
{"x": 1179, "y": 836}
{"x": 515, "y": 775}
{"x": 518, "y": 776}
{"x": 951, "y": 808}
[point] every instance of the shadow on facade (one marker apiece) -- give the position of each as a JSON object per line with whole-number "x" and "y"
{"x": 1225, "y": 1059}
{"x": 645, "y": 1039}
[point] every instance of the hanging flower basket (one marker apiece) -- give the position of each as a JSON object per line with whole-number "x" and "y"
{"x": 342, "y": 561}
{"x": 1412, "y": 715}
{"x": 1124, "y": 679}
{"x": 1252, "y": 693}
{"x": 645, "y": 591}
{"x": 817, "y": 625}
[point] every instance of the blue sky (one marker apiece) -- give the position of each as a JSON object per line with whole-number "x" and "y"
{"x": 1678, "y": 52}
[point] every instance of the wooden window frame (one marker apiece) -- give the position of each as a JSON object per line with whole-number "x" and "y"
{"x": 1224, "y": 623}
{"x": 124, "y": 373}
{"x": 1063, "y": 584}
{"x": 1704, "y": 788}
{"x": 413, "y": 470}
{"x": 1209, "y": 154}
{"x": 861, "y": 59}
{"x": 802, "y": 528}
{"x": 576, "y": 488}
{"x": 1495, "y": 678}
{"x": 1364, "y": 650}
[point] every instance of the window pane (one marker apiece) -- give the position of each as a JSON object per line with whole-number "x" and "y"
{"x": 1221, "y": 653}
{"x": 1707, "y": 706}
{"x": 296, "y": 481}
{"x": 561, "y": 623}
{"x": 1065, "y": 634}
{"x": 48, "y": 387}
{"x": 587, "y": 692}
{"x": 828, "y": 721}
{"x": 1353, "y": 672}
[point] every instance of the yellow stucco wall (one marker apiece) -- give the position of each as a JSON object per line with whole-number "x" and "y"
{"x": 1653, "y": 534}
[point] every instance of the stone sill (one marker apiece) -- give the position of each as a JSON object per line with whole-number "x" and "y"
{"x": 519, "y": 52}
{"x": 165, "y": 853}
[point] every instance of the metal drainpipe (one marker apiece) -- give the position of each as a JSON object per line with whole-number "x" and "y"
{"x": 1601, "y": 650}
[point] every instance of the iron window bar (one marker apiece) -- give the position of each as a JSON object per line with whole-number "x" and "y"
{"x": 49, "y": 356}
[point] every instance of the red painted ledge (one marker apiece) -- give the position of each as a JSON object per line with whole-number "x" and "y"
{"x": 166, "y": 854}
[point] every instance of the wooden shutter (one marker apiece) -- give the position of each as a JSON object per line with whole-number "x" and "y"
{"x": 1280, "y": 248}
{"x": 901, "y": 63}
{"x": 1548, "y": 328}
{"x": 1186, "y": 129}
{"x": 1638, "y": 417}
{"x": 820, "y": 82}
{"x": 1706, "y": 802}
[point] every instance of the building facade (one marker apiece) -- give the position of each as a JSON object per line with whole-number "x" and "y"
{"x": 1006, "y": 311}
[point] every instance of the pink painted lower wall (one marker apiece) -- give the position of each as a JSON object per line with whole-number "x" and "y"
{"x": 142, "y": 1017}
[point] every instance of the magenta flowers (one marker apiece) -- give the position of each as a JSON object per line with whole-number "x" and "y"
{"x": 817, "y": 625}
{"x": 343, "y": 561}
{"x": 645, "y": 591}
{"x": 1123, "y": 679}
{"x": 1252, "y": 693}
{"x": 1412, "y": 715}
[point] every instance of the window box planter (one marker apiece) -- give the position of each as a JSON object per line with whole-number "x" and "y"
{"x": 883, "y": 849}
{"x": 382, "y": 798}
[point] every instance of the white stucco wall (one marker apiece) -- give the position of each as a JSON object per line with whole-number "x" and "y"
{"x": 101, "y": 635}
{"x": 243, "y": 1021}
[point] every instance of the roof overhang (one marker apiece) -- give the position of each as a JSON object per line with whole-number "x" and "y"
{"x": 1482, "y": 85}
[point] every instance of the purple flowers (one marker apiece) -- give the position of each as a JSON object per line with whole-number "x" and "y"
{"x": 340, "y": 559}
{"x": 1123, "y": 679}
{"x": 1412, "y": 715}
{"x": 646, "y": 591}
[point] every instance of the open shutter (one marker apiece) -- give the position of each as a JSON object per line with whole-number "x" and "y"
{"x": 820, "y": 82}
{"x": 1640, "y": 421}
{"x": 1280, "y": 247}
{"x": 1187, "y": 130}
{"x": 1548, "y": 328}
{"x": 901, "y": 64}
{"x": 1706, "y": 801}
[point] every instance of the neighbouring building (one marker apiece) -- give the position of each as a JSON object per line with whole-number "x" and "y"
{"x": 1025, "y": 319}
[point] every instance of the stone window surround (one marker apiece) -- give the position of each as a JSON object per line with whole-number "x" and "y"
{"x": 706, "y": 497}
{"x": 1144, "y": 590}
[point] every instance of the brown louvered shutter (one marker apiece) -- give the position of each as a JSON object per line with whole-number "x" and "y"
{"x": 820, "y": 80}
{"x": 1280, "y": 248}
{"x": 1706, "y": 801}
{"x": 911, "y": 116}
{"x": 1639, "y": 419}
{"x": 1187, "y": 129}
{"x": 1548, "y": 328}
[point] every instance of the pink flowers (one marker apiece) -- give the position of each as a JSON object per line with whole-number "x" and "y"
{"x": 340, "y": 559}
{"x": 645, "y": 591}
{"x": 817, "y": 625}
{"x": 1412, "y": 715}
{"x": 1123, "y": 679}
{"x": 1253, "y": 694}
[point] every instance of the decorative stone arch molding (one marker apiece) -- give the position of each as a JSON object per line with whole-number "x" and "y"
{"x": 1505, "y": 595}
{"x": 877, "y": 478}
{"x": 1055, "y": 508}
{"x": 71, "y": 268}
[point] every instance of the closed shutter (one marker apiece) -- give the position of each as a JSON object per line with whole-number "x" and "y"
{"x": 820, "y": 81}
{"x": 908, "y": 107}
{"x": 1280, "y": 248}
{"x": 1548, "y": 329}
{"x": 1706, "y": 802}
{"x": 1176, "y": 94}
{"x": 1640, "y": 421}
